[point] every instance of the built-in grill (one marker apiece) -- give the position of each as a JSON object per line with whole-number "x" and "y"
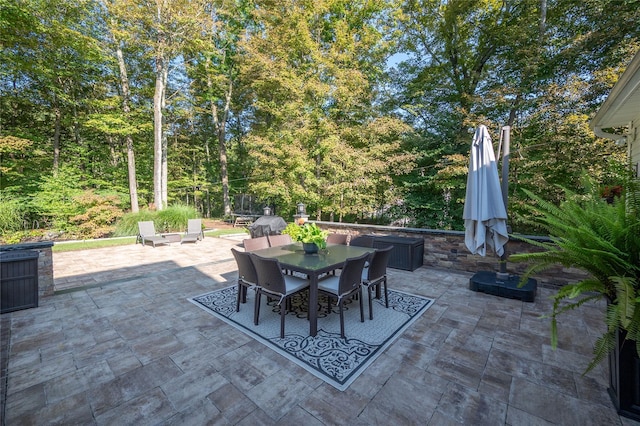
{"x": 267, "y": 225}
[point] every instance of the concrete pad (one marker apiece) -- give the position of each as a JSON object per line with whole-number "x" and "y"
{"x": 119, "y": 343}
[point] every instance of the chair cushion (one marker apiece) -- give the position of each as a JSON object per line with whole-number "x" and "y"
{"x": 365, "y": 277}
{"x": 247, "y": 282}
{"x": 294, "y": 284}
{"x": 330, "y": 284}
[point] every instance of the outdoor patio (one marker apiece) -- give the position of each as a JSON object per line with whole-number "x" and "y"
{"x": 120, "y": 343}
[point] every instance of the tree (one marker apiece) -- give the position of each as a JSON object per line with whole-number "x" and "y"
{"x": 165, "y": 26}
{"x": 52, "y": 54}
{"x": 451, "y": 48}
{"x": 495, "y": 63}
{"x": 316, "y": 135}
{"x": 126, "y": 109}
{"x": 290, "y": 100}
{"x": 213, "y": 64}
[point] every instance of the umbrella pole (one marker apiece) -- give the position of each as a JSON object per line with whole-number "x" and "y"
{"x": 504, "y": 176}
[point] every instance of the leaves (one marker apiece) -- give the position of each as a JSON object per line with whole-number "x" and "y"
{"x": 626, "y": 299}
{"x": 308, "y": 233}
{"x": 302, "y": 103}
{"x": 312, "y": 73}
{"x": 498, "y": 63}
{"x": 601, "y": 239}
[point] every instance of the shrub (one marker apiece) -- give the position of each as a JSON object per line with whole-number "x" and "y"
{"x": 175, "y": 218}
{"x": 54, "y": 200}
{"x": 171, "y": 219}
{"x": 12, "y": 214}
{"x": 99, "y": 214}
{"x": 128, "y": 224}
{"x": 68, "y": 209}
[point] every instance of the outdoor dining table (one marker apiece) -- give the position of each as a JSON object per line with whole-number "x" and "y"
{"x": 293, "y": 258}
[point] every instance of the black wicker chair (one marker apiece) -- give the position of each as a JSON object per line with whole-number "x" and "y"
{"x": 376, "y": 274}
{"x": 273, "y": 283}
{"x": 348, "y": 284}
{"x": 247, "y": 277}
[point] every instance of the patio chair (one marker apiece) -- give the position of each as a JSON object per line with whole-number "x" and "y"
{"x": 247, "y": 277}
{"x": 338, "y": 239}
{"x": 376, "y": 274}
{"x": 273, "y": 283}
{"x": 348, "y": 284}
{"x": 147, "y": 234}
{"x": 194, "y": 231}
{"x": 252, "y": 244}
{"x": 279, "y": 240}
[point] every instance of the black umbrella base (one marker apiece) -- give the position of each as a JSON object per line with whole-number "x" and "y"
{"x": 486, "y": 282}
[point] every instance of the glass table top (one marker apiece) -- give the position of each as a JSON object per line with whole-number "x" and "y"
{"x": 293, "y": 256}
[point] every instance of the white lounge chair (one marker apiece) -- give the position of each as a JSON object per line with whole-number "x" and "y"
{"x": 147, "y": 234}
{"x": 194, "y": 231}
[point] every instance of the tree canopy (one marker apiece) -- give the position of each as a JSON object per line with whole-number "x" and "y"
{"x": 361, "y": 109}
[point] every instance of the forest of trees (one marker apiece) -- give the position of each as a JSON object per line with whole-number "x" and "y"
{"x": 360, "y": 109}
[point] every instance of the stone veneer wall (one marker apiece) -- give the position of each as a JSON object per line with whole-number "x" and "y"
{"x": 45, "y": 264}
{"x": 446, "y": 250}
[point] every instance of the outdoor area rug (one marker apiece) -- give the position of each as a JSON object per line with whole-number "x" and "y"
{"x": 335, "y": 360}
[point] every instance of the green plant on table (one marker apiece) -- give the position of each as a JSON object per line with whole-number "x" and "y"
{"x": 602, "y": 239}
{"x": 307, "y": 233}
{"x": 292, "y": 229}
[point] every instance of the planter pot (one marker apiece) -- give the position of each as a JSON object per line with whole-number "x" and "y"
{"x": 624, "y": 378}
{"x": 310, "y": 248}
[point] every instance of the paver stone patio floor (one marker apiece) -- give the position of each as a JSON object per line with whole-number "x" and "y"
{"x": 119, "y": 343}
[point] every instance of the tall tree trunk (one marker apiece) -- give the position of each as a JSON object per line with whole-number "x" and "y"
{"x": 113, "y": 151}
{"x": 131, "y": 159}
{"x": 542, "y": 28}
{"x": 56, "y": 136}
{"x": 224, "y": 174}
{"x": 165, "y": 171}
{"x": 76, "y": 134}
{"x": 165, "y": 148}
{"x": 157, "y": 133}
{"x": 158, "y": 105}
{"x": 220, "y": 126}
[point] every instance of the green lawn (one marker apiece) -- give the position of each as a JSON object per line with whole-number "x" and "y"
{"x": 109, "y": 242}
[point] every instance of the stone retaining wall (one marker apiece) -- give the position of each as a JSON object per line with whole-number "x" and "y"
{"x": 446, "y": 250}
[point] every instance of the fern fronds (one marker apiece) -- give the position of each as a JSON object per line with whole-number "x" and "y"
{"x": 603, "y": 346}
{"x": 626, "y": 299}
{"x": 601, "y": 239}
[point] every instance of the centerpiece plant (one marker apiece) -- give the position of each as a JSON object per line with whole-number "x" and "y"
{"x": 308, "y": 233}
{"x": 603, "y": 239}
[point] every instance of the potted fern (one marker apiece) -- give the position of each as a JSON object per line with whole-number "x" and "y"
{"x": 602, "y": 239}
{"x": 311, "y": 236}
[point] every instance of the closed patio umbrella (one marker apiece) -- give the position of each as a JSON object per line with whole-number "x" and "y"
{"x": 485, "y": 218}
{"x": 485, "y": 215}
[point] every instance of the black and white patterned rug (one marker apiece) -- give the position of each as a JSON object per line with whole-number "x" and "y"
{"x": 335, "y": 360}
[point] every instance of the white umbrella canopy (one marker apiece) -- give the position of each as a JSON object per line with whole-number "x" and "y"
{"x": 485, "y": 215}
